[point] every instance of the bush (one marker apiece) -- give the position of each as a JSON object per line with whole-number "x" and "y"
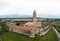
{"x": 1, "y": 30}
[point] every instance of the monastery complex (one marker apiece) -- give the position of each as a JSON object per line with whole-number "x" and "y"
{"x": 30, "y": 28}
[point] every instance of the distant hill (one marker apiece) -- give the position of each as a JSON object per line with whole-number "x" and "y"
{"x": 14, "y": 16}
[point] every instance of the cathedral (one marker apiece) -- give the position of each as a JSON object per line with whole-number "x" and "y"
{"x": 35, "y": 21}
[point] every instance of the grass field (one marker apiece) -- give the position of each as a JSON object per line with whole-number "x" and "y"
{"x": 10, "y": 36}
{"x": 57, "y": 23}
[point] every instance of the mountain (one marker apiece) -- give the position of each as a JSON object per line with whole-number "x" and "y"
{"x": 14, "y": 16}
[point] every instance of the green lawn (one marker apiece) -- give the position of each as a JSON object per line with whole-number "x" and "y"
{"x": 10, "y": 36}
{"x": 57, "y": 23}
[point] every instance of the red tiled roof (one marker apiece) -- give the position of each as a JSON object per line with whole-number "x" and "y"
{"x": 26, "y": 28}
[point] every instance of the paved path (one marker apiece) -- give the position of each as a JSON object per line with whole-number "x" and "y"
{"x": 45, "y": 32}
{"x": 57, "y": 33}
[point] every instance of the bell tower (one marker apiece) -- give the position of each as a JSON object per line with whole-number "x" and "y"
{"x": 34, "y": 18}
{"x": 34, "y": 14}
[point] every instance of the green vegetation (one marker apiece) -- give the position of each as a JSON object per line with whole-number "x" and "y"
{"x": 2, "y": 28}
{"x": 51, "y": 36}
{"x": 1, "y": 31}
{"x": 11, "y": 36}
{"x": 2, "y": 24}
{"x": 57, "y": 25}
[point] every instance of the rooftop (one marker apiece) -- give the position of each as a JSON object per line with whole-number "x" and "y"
{"x": 26, "y": 27}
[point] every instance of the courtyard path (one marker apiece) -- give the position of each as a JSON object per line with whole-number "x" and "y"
{"x": 57, "y": 33}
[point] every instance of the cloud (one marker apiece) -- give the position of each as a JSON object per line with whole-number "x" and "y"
{"x": 22, "y": 7}
{"x": 3, "y": 7}
{"x": 3, "y": 4}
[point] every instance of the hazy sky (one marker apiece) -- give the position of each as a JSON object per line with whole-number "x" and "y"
{"x": 44, "y": 8}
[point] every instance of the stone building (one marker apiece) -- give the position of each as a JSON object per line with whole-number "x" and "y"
{"x": 30, "y": 28}
{"x": 34, "y": 22}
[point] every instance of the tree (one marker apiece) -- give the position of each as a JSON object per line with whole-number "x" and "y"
{"x": 1, "y": 30}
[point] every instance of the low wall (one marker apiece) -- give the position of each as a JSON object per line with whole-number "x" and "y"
{"x": 45, "y": 32}
{"x": 57, "y": 33}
